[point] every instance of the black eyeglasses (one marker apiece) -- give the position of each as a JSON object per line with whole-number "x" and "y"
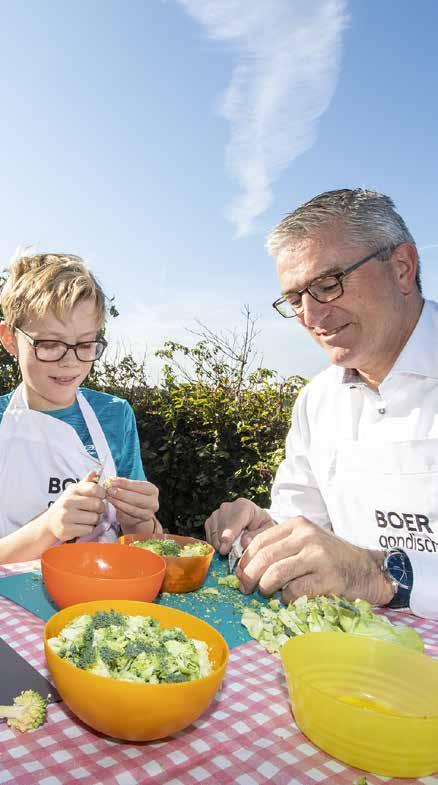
{"x": 52, "y": 351}
{"x": 323, "y": 289}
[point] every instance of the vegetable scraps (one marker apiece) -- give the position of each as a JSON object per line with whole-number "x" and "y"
{"x": 28, "y": 711}
{"x": 131, "y": 648}
{"x": 172, "y": 548}
{"x": 272, "y": 626}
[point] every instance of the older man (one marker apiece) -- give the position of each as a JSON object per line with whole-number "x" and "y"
{"x": 356, "y": 498}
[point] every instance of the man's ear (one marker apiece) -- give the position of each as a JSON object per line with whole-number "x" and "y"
{"x": 404, "y": 261}
{"x": 8, "y": 340}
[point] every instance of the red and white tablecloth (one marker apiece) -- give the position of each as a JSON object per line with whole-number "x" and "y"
{"x": 247, "y": 737}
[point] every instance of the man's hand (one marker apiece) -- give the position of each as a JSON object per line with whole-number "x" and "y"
{"x": 301, "y": 558}
{"x": 226, "y": 523}
{"x": 136, "y": 502}
{"x": 76, "y": 512}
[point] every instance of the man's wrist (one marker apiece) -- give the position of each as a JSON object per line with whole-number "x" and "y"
{"x": 383, "y": 590}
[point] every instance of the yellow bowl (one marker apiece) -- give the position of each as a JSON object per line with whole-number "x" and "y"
{"x": 369, "y": 703}
{"x": 129, "y": 710}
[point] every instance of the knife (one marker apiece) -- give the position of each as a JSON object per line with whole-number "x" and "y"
{"x": 235, "y": 553}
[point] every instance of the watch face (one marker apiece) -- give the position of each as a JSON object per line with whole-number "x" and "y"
{"x": 397, "y": 568}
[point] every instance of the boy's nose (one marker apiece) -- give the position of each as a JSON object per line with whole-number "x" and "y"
{"x": 69, "y": 358}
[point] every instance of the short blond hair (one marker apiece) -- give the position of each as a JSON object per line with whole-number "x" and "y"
{"x": 53, "y": 282}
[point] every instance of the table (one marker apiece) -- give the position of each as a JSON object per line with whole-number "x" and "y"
{"x": 247, "y": 736}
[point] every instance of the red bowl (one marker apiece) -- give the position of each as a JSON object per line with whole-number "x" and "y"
{"x": 183, "y": 573}
{"x": 85, "y": 571}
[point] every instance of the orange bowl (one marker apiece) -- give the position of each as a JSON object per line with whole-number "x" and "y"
{"x": 131, "y": 710}
{"x": 83, "y": 571}
{"x": 183, "y": 573}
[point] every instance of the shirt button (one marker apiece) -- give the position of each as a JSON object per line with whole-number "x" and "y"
{"x": 381, "y": 411}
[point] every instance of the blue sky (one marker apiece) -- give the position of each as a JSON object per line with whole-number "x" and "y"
{"x": 163, "y": 140}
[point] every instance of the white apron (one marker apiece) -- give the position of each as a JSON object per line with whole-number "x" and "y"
{"x": 40, "y": 456}
{"x": 386, "y": 496}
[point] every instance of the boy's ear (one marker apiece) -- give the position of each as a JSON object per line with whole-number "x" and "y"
{"x": 7, "y": 338}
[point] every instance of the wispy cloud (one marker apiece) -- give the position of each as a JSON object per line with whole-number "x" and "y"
{"x": 288, "y": 61}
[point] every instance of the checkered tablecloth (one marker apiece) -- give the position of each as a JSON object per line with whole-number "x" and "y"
{"x": 247, "y": 737}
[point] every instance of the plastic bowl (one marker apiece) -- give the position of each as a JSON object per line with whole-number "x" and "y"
{"x": 133, "y": 711}
{"x": 183, "y": 573}
{"x": 84, "y": 571}
{"x": 369, "y": 703}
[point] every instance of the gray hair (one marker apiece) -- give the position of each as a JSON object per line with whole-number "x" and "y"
{"x": 369, "y": 217}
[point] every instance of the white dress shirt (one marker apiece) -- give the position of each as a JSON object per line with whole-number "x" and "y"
{"x": 364, "y": 463}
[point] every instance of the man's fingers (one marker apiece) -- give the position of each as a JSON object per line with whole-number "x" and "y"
{"x": 269, "y": 536}
{"x": 248, "y": 535}
{"x": 211, "y": 530}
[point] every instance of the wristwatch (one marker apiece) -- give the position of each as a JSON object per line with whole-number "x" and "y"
{"x": 397, "y": 569}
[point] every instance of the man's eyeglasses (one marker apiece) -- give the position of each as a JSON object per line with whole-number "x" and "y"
{"x": 323, "y": 289}
{"x": 52, "y": 351}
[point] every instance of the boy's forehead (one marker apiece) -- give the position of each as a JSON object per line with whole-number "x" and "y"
{"x": 82, "y": 317}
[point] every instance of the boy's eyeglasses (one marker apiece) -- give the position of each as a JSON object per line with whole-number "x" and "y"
{"x": 323, "y": 289}
{"x": 52, "y": 351}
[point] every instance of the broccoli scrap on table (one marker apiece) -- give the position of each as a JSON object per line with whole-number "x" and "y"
{"x": 232, "y": 581}
{"x": 168, "y": 547}
{"x": 361, "y": 781}
{"x": 131, "y": 648}
{"x": 28, "y": 711}
{"x": 272, "y": 626}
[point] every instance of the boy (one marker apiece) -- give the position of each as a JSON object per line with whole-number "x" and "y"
{"x": 55, "y": 437}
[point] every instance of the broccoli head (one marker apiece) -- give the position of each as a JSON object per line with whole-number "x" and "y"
{"x": 28, "y": 711}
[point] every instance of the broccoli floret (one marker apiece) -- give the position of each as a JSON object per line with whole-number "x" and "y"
{"x": 82, "y": 652}
{"x": 134, "y": 648}
{"x": 173, "y": 634}
{"x": 109, "y": 656}
{"x": 28, "y": 711}
{"x": 108, "y": 618}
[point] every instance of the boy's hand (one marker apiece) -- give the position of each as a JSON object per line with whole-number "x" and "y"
{"x": 136, "y": 502}
{"x": 77, "y": 511}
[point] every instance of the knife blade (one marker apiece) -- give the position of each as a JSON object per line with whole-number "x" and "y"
{"x": 235, "y": 553}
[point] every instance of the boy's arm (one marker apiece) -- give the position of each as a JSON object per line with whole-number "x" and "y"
{"x": 74, "y": 514}
{"x": 27, "y": 543}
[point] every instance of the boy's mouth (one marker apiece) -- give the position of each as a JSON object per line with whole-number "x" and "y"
{"x": 64, "y": 381}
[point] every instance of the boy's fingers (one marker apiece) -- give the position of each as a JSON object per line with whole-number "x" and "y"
{"x": 137, "y": 486}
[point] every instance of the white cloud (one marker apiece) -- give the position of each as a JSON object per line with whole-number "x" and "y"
{"x": 288, "y": 60}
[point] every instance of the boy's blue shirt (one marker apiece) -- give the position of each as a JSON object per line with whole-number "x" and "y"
{"x": 117, "y": 420}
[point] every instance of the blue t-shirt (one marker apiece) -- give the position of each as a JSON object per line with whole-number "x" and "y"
{"x": 117, "y": 421}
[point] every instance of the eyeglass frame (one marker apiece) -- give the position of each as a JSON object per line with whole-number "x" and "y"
{"x": 339, "y": 277}
{"x": 34, "y": 342}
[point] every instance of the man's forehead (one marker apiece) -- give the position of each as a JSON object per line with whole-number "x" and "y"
{"x": 308, "y": 257}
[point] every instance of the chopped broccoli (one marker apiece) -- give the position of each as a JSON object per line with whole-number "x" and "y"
{"x": 28, "y": 711}
{"x": 136, "y": 648}
{"x": 274, "y": 625}
{"x": 232, "y": 581}
{"x": 162, "y": 547}
{"x": 108, "y": 618}
{"x": 169, "y": 547}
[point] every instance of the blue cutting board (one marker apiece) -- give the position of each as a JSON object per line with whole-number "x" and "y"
{"x": 222, "y": 611}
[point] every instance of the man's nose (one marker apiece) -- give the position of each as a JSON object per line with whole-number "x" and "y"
{"x": 314, "y": 313}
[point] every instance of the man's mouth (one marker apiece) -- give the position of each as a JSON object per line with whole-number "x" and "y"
{"x": 330, "y": 333}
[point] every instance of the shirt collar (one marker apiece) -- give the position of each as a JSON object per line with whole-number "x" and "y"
{"x": 419, "y": 355}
